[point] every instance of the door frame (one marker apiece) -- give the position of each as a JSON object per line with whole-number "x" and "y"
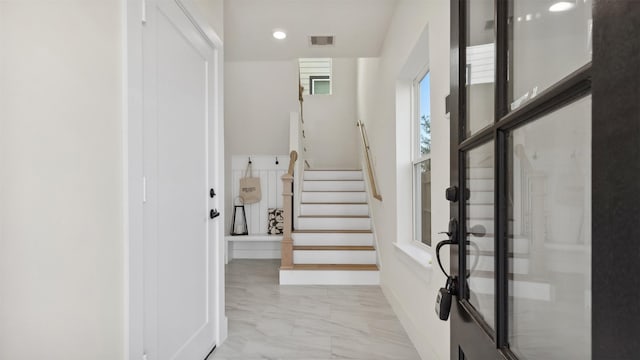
{"x": 134, "y": 13}
{"x": 613, "y": 79}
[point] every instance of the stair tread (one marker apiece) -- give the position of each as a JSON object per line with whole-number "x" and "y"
{"x": 351, "y": 267}
{"x": 336, "y": 247}
{"x": 333, "y": 231}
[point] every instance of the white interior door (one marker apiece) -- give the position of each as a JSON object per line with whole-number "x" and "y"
{"x": 179, "y": 252}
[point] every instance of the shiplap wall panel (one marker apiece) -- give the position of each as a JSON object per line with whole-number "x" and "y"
{"x": 270, "y": 175}
{"x": 313, "y": 67}
{"x": 481, "y": 63}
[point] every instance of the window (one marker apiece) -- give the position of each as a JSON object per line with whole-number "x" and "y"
{"x": 315, "y": 75}
{"x": 422, "y": 159}
{"x": 319, "y": 85}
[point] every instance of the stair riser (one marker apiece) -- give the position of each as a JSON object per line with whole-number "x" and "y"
{"x": 481, "y": 173}
{"x": 333, "y": 185}
{"x": 518, "y": 246}
{"x": 334, "y": 224}
{"x": 484, "y": 211}
{"x": 487, "y": 224}
{"x": 481, "y": 197}
{"x": 333, "y": 197}
{"x": 332, "y": 239}
{"x": 333, "y": 175}
{"x": 481, "y": 185}
{"x": 334, "y": 257}
{"x": 334, "y": 209}
{"x": 487, "y": 263}
{"x": 329, "y": 277}
{"x": 524, "y": 289}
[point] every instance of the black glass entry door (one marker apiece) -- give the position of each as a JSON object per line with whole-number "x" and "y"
{"x": 532, "y": 150}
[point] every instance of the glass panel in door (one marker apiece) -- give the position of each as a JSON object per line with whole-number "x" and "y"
{"x": 479, "y": 228}
{"x": 550, "y": 235}
{"x": 550, "y": 40}
{"x": 480, "y": 67}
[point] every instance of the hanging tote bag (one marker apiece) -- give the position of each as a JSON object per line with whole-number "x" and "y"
{"x": 250, "y": 187}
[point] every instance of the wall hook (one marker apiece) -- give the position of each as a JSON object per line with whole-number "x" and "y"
{"x": 277, "y": 162}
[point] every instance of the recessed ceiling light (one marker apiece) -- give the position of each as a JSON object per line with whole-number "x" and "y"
{"x": 279, "y": 34}
{"x": 561, "y": 6}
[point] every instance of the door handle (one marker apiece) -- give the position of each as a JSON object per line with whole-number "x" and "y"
{"x": 453, "y": 240}
{"x": 214, "y": 213}
{"x": 445, "y": 294}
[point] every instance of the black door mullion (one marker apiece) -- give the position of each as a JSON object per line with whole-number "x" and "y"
{"x": 616, "y": 180}
{"x": 479, "y": 138}
{"x": 502, "y": 58}
{"x": 500, "y": 198}
{"x": 566, "y": 91}
{"x": 500, "y": 239}
{"x": 462, "y": 121}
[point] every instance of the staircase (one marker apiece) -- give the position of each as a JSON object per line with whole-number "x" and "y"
{"x": 333, "y": 243}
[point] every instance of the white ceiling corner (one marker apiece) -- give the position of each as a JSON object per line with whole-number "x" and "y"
{"x": 359, "y": 27}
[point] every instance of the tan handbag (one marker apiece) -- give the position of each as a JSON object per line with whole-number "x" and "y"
{"x": 250, "y": 187}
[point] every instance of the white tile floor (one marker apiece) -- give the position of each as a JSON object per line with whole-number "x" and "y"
{"x": 269, "y": 321}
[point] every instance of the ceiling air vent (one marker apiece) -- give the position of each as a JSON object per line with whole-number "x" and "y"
{"x": 321, "y": 40}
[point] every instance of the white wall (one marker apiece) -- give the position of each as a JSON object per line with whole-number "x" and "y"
{"x": 61, "y": 238}
{"x": 213, "y": 12}
{"x": 259, "y": 96}
{"x": 331, "y": 120}
{"x": 410, "y": 288}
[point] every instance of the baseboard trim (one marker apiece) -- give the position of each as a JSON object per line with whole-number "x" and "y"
{"x": 425, "y": 350}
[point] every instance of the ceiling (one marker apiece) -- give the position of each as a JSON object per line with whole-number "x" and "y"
{"x": 359, "y": 27}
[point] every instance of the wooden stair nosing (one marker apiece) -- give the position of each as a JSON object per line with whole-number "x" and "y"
{"x": 334, "y": 248}
{"x": 348, "y": 267}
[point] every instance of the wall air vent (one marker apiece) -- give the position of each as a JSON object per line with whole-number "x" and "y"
{"x": 321, "y": 40}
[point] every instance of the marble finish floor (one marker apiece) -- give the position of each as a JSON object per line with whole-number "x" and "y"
{"x": 269, "y": 321}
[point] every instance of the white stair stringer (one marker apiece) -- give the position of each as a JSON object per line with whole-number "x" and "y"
{"x": 333, "y": 240}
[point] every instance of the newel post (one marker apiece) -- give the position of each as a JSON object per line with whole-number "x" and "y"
{"x": 287, "y": 195}
{"x": 287, "y": 242}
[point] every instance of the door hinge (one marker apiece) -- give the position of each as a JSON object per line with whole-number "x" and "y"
{"x": 447, "y": 104}
{"x": 144, "y": 14}
{"x": 144, "y": 192}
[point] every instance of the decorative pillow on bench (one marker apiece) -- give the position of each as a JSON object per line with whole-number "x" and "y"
{"x": 276, "y": 222}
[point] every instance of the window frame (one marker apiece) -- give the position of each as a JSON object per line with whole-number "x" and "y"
{"x": 417, "y": 158}
{"x": 319, "y": 78}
